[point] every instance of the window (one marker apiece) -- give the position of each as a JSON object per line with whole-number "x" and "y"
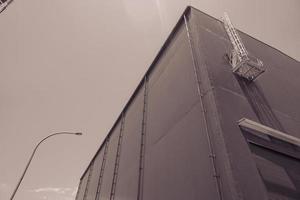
{"x": 277, "y": 157}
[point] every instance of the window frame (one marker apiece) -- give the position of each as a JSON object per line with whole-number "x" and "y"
{"x": 270, "y": 138}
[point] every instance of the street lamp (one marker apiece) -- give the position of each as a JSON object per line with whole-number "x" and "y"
{"x": 4, "y": 4}
{"x": 59, "y": 133}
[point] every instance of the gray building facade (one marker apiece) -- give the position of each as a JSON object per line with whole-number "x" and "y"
{"x": 195, "y": 130}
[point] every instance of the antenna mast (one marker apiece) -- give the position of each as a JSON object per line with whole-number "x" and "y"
{"x": 242, "y": 63}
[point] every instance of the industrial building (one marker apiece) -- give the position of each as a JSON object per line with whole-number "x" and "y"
{"x": 216, "y": 117}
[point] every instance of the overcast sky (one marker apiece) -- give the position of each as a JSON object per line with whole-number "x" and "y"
{"x": 71, "y": 65}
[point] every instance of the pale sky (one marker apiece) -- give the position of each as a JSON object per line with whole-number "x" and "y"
{"x": 72, "y": 65}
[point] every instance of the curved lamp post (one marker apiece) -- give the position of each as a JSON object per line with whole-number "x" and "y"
{"x": 4, "y": 4}
{"x": 59, "y": 133}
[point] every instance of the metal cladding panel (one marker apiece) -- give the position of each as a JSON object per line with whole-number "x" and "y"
{"x": 106, "y": 186}
{"x": 197, "y": 23}
{"x": 172, "y": 88}
{"x": 278, "y": 88}
{"x": 83, "y": 185}
{"x": 271, "y": 99}
{"x": 93, "y": 184}
{"x": 178, "y": 166}
{"x": 128, "y": 171}
{"x": 177, "y": 163}
{"x": 79, "y": 190}
{"x": 211, "y": 40}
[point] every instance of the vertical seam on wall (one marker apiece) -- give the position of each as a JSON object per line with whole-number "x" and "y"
{"x": 79, "y": 187}
{"x": 88, "y": 181}
{"x": 117, "y": 160}
{"x": 102, "y": 169}
{"x": 143, "y": 143}
{"x": 212, "y": 155}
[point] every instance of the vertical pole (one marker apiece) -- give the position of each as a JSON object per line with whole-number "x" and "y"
{"x": 79, "y": 187}
{"x": 88, "y": 181}
{"x": 117, "y": 161}
{"x": 212, "y": 155}
{"x": 143, "y": 142}
{"x": 102, "y": 169}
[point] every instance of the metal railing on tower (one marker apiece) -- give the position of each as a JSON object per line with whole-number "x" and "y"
{"x": 243, "y": 64}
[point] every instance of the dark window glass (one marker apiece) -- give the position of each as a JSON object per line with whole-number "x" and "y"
{"x": 279, "y": 172}
{"x": 278, "y": 164}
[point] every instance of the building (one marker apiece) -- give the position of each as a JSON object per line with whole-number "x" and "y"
{"x": 193, "y": 129}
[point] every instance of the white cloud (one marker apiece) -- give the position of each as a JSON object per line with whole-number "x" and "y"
{"x": 68, "y": 198}
{"x": 65, "y": 191}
